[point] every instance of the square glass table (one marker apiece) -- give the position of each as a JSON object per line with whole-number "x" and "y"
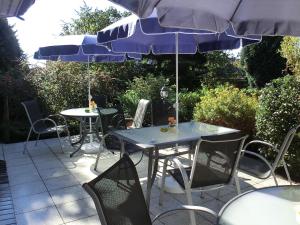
{"x": 152, "y": 138}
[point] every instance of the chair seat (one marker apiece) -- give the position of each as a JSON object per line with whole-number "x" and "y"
{"x": 207, "y": 177}
{"x": 254, "y": 167}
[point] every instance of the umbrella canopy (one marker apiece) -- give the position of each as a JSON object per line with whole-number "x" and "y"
{"x": 265, "y": 17}
{"x": 80, "y": 48}
{"x": 17, "y": 8}
{"x": 134, "y": 35}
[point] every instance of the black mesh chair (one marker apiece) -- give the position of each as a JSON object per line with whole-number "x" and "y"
{"x": 258, "y": 166}
{"x": 100, "y": 100}
{"x": 119, "y": 198}
{"x": 43, "y": 125}
{"x": 161, "y": 111}
{"x": 214, "y": 166}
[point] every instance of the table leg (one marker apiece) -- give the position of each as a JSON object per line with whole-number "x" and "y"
{"x": 81, "y": 141}
{"x": 152, "y": 170}
{"x": 149, "y": 181}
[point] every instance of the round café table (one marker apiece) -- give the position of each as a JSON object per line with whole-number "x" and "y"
{"x": 266, "y": 206}
{"x": 82, "y": 114}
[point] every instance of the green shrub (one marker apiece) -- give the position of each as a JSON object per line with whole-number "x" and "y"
{"x": 187, "y": 103}
{"x": 227, "y": 106}
{"x": 147, "y": 87}
{"x": 278, "y": 112}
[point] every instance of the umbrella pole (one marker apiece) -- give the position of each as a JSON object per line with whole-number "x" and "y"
{"x": 89, "y": 97}
{"x": 177, "y": 102}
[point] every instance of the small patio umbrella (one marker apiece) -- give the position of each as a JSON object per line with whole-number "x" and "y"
{"x": 9, "y": 8}
{"x": 80, "y": 48}
{"x": 265, "y": 17}
{"x": 134, "y": 35}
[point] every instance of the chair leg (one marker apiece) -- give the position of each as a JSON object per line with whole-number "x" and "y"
{"x": 237, "y": 183}
{"x": 37, "y": 139}
{"x": 274, "y": 176}
{"x": 25, "y": 145}
{"x": 287, "y": 172}
{"x": 163, "y": 180}
{"x": 58, "y": 135}
{"x": 97, "y": 160}
{"x": 190, "y": 202}
{"x": 68, "y": 134}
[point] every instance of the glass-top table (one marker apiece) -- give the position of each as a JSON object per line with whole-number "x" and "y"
{"x": 152, "y": 138}
{"x": 272, "y": 205}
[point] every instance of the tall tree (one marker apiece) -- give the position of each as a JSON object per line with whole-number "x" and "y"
{"x": 263, "y": 60}
{"x": 10, "y": 51}
{"x": 11, "y": 68}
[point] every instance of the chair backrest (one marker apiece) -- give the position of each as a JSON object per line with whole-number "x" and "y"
{"x": 216, "y": 159}
{"x": 101, "y": 100}
{"x": 140, "y": 113}
{"x": 33, "y": 112}
{"x": 285, "y": 146}
{"x": 118, "y": 195}
{"x": 161, "y": 111}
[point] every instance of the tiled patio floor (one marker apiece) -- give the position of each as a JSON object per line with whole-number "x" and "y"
{"x": 46, "y": 187}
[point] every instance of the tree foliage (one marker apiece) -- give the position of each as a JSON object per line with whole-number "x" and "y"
{"x": 263, "y": 60}
{"x": 290, "y": 50}
{"x": 65, "y": 85}
{"x": 90, "y": 21}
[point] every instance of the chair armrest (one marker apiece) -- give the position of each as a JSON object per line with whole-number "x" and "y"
{"x": 258, "y": 156}
{"x": 179, "y": 165}
{"x": 41, "y": 120}
{"x": 264, "y": 160}
{"x": 58, "y": 116}
{"x": 261, "y": 143}
{"x": 188, "y": 207}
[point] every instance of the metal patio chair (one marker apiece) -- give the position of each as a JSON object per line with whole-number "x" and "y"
{"x": 138, "y": 119}
{"x": 43, "y": 125}
{"x": 118, "y": 122}
{"x": 119, "y": 198}
{"x": 258, "y": 166}
{"x": 214, "y": 166}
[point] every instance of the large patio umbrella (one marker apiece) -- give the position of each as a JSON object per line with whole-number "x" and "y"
{"x": 16, "y": 8}
{"x": 266, "y": 17}
{"x": 134, "y": 35}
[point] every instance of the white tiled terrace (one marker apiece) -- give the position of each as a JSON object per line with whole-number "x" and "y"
{"x": 46, "y": 186}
